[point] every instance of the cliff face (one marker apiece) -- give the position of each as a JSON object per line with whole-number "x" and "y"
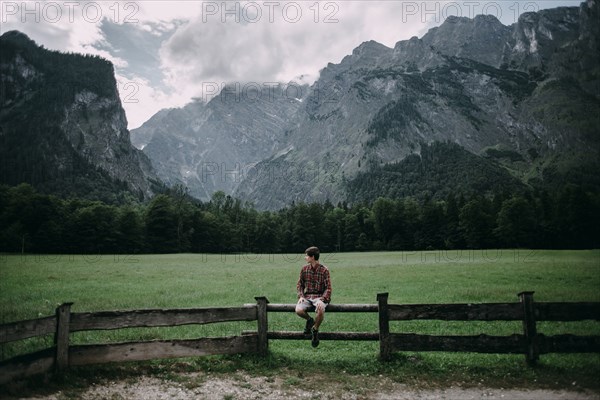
{"x": 522, "y": 99}
{"x": 63, "y": 127}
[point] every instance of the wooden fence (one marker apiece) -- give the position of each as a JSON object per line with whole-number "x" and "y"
{"x": 64, "y": 323}
{"x": 529, "y": 343}
{"x": 63, "y": 355}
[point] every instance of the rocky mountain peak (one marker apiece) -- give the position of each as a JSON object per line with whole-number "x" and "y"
{"x": 414, "y": 54}
{"x": 483, "y": 38}
{"x": 413, "y": 42}
{"x": 370, "y": 48}
{"x": 537, "y": 36}
{"x": 17, "y": 38}
{"x": 366, "y": 54}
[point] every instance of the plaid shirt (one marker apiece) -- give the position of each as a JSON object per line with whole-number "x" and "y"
{"x": 314, "y": 283}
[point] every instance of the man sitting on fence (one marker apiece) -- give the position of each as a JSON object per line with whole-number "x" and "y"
{"x": 314, "y": 289}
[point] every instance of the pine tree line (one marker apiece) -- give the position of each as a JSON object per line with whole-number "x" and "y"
{"x": 173, "y": 222}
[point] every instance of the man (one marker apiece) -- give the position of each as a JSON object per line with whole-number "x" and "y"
{"x": 314, "y": 289}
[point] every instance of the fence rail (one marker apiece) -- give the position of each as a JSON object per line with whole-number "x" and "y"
{"x": 530, "y": 343}
{"x": 27, "y": 329}
{"x": 158, "y": 349}
{"x": 62, "y": 354}
{"x": 354, "y": 308}
{"x": 105, "y": 320}
{"x": 457, "y": 312}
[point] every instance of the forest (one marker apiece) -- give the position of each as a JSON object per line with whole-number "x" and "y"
{"x": 174, "y": 222}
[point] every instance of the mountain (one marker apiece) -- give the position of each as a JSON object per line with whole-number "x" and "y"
{"x": 524, "y": 98}
{"x": 214, "y": 146}
{"x": 62, "y": 126}
{"x": 518, "y": 105}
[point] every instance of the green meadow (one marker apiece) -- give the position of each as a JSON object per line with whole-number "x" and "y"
{"x": 33, "y": 286}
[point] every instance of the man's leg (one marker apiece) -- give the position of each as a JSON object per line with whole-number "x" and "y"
{"x": 301, "y": 308}
{"x": 320, "y": 315}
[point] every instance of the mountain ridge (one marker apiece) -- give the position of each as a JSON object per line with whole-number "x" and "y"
{"x": 63, "y": 127}
{"x": 209, "y": 147}
{"x": 489, "y": 88}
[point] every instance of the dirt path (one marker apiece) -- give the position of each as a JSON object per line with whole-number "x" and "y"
{"x": 240, "y": 386}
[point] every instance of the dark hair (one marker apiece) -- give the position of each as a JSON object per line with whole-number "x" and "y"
{"x": 313, "y": 252}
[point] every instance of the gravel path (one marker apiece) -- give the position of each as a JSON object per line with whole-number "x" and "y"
{"x": 240, "y": 386}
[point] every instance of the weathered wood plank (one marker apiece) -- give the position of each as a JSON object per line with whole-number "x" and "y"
{"x": 385, "y": 345}
{"x": 330, "y": 308}
{"x": 477, "y": 344}
{"x": 263, "y": 325}
{"x": 457, "y": 312}
{"x": 27, "y": 329}
{"x": 63, "y": 315}
{"x": 568, "y": 343}
{"x": 529, "y": 328}
{"x": 27, "y": 365}
{"x": 106, "y": 320}
{"x": 141, "y": 351}
{"x": 567, "y": 311}
{"x": 286, "y": 335}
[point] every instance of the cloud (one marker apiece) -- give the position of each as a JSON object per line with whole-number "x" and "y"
{"x": 141, "y": 99}
{"x": 278, "y": 41}
{"x": 65, "y": 26}
{"x": 168, "y": 51}
{"x": 273, "y": 41}
{"x": 141, "y": 82}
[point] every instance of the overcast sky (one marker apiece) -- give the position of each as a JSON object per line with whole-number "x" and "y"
{"x": 167, "y": 52}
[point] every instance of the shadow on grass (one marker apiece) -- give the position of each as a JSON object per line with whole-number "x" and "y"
{"x": 419, "y": 370}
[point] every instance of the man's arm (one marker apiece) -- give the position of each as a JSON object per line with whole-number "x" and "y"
{"x": 300, "y": 287}
{"x": 327, "y": 281}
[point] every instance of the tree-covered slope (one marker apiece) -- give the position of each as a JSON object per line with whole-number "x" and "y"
{"x": 62, "y": 127}
{"x": 438, "y": 171}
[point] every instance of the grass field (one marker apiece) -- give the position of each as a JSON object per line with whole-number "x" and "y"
{"x": 32, "y": 286}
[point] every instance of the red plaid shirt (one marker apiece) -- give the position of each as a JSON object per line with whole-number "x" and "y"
{"x": 314, "y": 283}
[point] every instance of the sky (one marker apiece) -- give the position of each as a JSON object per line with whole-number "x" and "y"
{"x": 169, "y": 53}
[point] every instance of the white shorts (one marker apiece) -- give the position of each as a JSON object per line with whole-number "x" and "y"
{"x": 308, "y": 303}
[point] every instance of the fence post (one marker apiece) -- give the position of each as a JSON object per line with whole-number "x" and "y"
{"x": 384, "y": 327}
{"x": 263, "y": 325}
{"x": 529, "y": 328}
{"x": 63, "y": 320}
